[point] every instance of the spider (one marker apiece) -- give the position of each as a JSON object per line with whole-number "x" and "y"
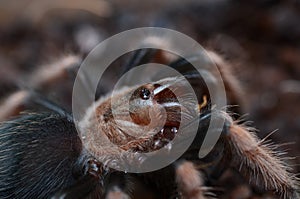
{"x": 43, "y": 156}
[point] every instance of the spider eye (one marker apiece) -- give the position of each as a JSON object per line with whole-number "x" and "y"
{"x": 145, "y": 94}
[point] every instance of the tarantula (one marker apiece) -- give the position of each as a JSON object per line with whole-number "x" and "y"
{"x": 43, "y": 156}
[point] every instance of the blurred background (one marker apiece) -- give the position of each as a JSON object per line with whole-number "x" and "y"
{"x": 261, "y": 39}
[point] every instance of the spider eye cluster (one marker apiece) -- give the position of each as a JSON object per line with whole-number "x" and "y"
{"x": 145, "y": 93}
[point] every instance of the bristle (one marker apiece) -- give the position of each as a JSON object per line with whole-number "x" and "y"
{"x": 260, "y": 163}
{"x": 189, "y": 181}
{"x": 37, "y": 153}
{"x": 233, "y": 87}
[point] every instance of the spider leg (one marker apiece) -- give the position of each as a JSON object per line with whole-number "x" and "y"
{"x": 258, "y": 161}
{"x": 261, "y": 163}
{"x": 13, "y": 104}
{"x": 189, "y": 181}
{"x": 118, "y": 185}
{"x": 41, "y": 79}
{"x": 98, "y": 182}
{"x": 81, "y": 189}
{"x": 222, "y": 68}
{"x": 91, "y": 184}
{"x": 116, "y": 193}
{"x": 18, "y": 101}
{"x": 52, "y": 73}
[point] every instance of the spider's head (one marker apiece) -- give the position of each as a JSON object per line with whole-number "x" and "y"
{"x": 142, "y": 118}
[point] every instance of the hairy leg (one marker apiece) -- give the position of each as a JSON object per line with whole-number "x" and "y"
{"x": 189, "y": 181}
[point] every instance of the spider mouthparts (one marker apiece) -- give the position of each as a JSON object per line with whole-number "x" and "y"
{"x": 164, "y": 137}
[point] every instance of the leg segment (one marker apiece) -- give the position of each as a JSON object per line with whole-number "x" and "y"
{"x": 189, "y": 181}
{"x": 256, "y": 160}
{"x": 116, "y": 193}
{"x": 259, "y": 162}
{"x": 43, "y": 79}
{"x": 91, "y": 184}
{"x": 118, "y": 186}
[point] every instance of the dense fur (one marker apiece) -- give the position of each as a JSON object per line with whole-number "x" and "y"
{"x": 37, "y": 154}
